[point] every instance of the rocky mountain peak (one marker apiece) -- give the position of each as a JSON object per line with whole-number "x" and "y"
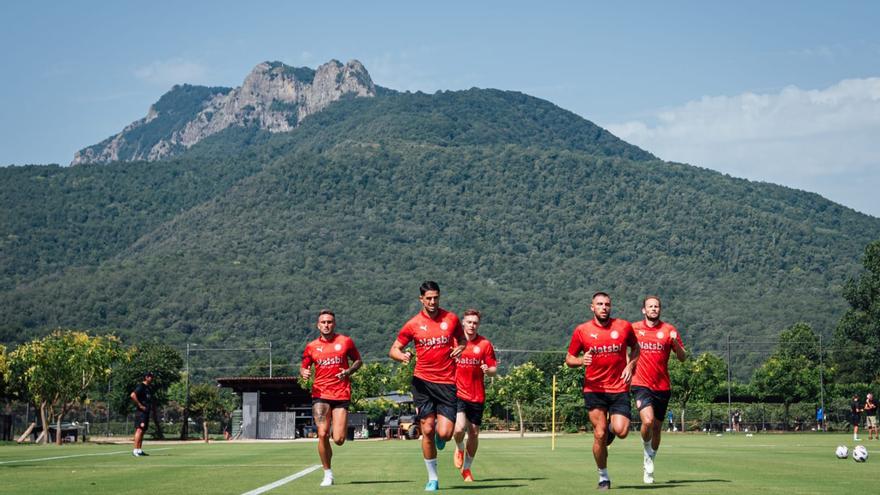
{"x": 274, "y": 96}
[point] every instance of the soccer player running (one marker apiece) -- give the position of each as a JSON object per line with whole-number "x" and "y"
{"x": 476, "y": 361}
{"x": 335, "y": 359}
{"x": 608, "y": 369}
{"x": 651, "y": 386}
{"x": 143, "y": 400}
{"x": 438, "y": 339}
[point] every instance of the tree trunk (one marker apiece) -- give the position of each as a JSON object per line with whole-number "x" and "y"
{"x": 205, "y": 430}
{"x": 158, "y": 424}
{"x": 682, "y": 419}
{"x": 522, "y": 427}
{"x": 45, "y": 422}
{"x": 58, "y": 428}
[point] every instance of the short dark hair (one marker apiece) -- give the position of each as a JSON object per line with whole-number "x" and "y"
{"x": 472, "y": 312}
{"x": 148, "y": 373}
{"x": 428, "y": 285}
{"x": 326, "y": 312}
{"x": 645, "y": 300}
{"x": 600, "y": 293}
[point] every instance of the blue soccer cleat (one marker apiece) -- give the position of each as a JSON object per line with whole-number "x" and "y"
{"x": 432, "y": 486}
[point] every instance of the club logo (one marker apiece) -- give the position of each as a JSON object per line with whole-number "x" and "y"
{"x": 476, "y": 350}
{"x": 614, "y": 334}
{"x": 338, "y": 347}
{"x": 660, "y": 335}
{"x": 444, "y": 326}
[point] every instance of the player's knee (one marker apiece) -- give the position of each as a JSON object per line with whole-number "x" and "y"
{"x": 623, "y": 433}
{"x": 339, "y": 441}
{"x": 323, "y": 434}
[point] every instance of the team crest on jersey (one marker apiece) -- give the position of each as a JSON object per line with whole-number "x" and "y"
{"x": 673, "y": 334}
{"x": 476, "y": 350}
{"x": 660, "y": 335}
{"x": 444, "y": 326}
{"x": 338, "y": 347}
{"x": 614, "y": 334}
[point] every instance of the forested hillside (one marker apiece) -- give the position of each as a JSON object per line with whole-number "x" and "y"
{"x": 515, "y": 206}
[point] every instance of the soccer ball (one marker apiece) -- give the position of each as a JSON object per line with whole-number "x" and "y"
{"x": 860, "y": 453}
{"x": 842, "y": 452}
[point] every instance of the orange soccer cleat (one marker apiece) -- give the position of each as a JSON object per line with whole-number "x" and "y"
{"x": 467, "y": 476}
{"x": 458, "y": 458}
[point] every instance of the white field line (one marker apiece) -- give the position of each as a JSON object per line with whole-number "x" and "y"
{"x": 75, "y": 455}
{"x": 282, "y": 481}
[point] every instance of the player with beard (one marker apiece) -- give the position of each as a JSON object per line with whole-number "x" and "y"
{"x": 438, "y": 339}
{"x": 335, "y": 358}
{"x": 651, "y": 386}
{"x": 476, "y": 361}
{"x": 600, "y": 347}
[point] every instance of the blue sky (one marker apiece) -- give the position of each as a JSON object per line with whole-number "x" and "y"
{"x": 784, "y": 92}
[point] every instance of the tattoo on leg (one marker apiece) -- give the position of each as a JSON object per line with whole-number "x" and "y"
{"x": 320, "y": 412}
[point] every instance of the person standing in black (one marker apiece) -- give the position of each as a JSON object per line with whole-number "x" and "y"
{"x": 142, "y": 398}
{"x": 855, "y": 416}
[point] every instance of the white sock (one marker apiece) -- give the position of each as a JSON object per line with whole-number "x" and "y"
{"x": 328, "y": 473}
{"x": 646, "y": 444}
{"x": 134, "y": 451}
{"x": 467, "y": 461}
{"x": 603, "y": 475}
{"x": 431, "y": 464}
{"x": 460, "y": 445}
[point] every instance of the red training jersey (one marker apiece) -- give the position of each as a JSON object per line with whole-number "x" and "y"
{"x": 655, "y": 344}
{"x": 608, "y": 346}
{"x": 468, "y": 371}
{"x": 434, "y": 339}
{"x": 330, "y": 357}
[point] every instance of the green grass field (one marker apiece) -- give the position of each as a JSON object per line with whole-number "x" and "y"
{"x": 763, "y": 464}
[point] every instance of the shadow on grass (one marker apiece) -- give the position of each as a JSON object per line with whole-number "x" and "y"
{"x": 509, "y": 479}
{"x": 378, "y": 482}
{"x": 474, "y": 486}
{"x": 670, "y": 484}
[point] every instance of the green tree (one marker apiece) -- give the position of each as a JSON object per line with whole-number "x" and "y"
{"x": 59, "y": 369}
{"x": 696, "y": 379}
{"x": 522, "y": 384}
{"x": 205, "y": 403}
{"x": 791, "y": 373}
{"x": 5, "y": 374}
{"x": 858, "y": 332}
{"x": 163, "y": 360}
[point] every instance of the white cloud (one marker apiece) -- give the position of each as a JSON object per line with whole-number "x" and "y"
{"x": 173, "y": 71}
{"x": 801, "y": 138}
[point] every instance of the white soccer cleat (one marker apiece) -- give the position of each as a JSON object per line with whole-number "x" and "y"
{"x": 328, "y": 481}
{"x": 648, "y": 478}
{"x": 649, "y": 465}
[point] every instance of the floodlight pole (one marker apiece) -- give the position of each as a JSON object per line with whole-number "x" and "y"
{"x": 270, "y": 359}
{"x": 821, "y": 384}
{"x": 184, "y": 428}
{"x": 729, "y": 417}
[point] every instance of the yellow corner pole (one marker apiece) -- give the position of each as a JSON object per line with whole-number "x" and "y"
{"x": 553, "y": 421}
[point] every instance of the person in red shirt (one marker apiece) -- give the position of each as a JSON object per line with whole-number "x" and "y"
{"x": 476, "y": 361}
{"x": 438, "y": 339}
{"x": 335, "y": 359}
{"x": 651, "y": 386}
{"x": 599, "y": 346}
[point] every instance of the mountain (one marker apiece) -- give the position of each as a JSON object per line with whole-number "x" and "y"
{"x": 514, "y": 205}
{"x": 274, "y": 97}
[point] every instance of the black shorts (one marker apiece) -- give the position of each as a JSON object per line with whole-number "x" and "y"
{"x": 613, "y": 403}
{"x": 334, "y": 404}
{"x": 434, "y": 398}
{"x": 473, "y": 411}
{"x": 142, "y": 420}
{"x": 656, "y": 399}
{"x": 855, "y": 419}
